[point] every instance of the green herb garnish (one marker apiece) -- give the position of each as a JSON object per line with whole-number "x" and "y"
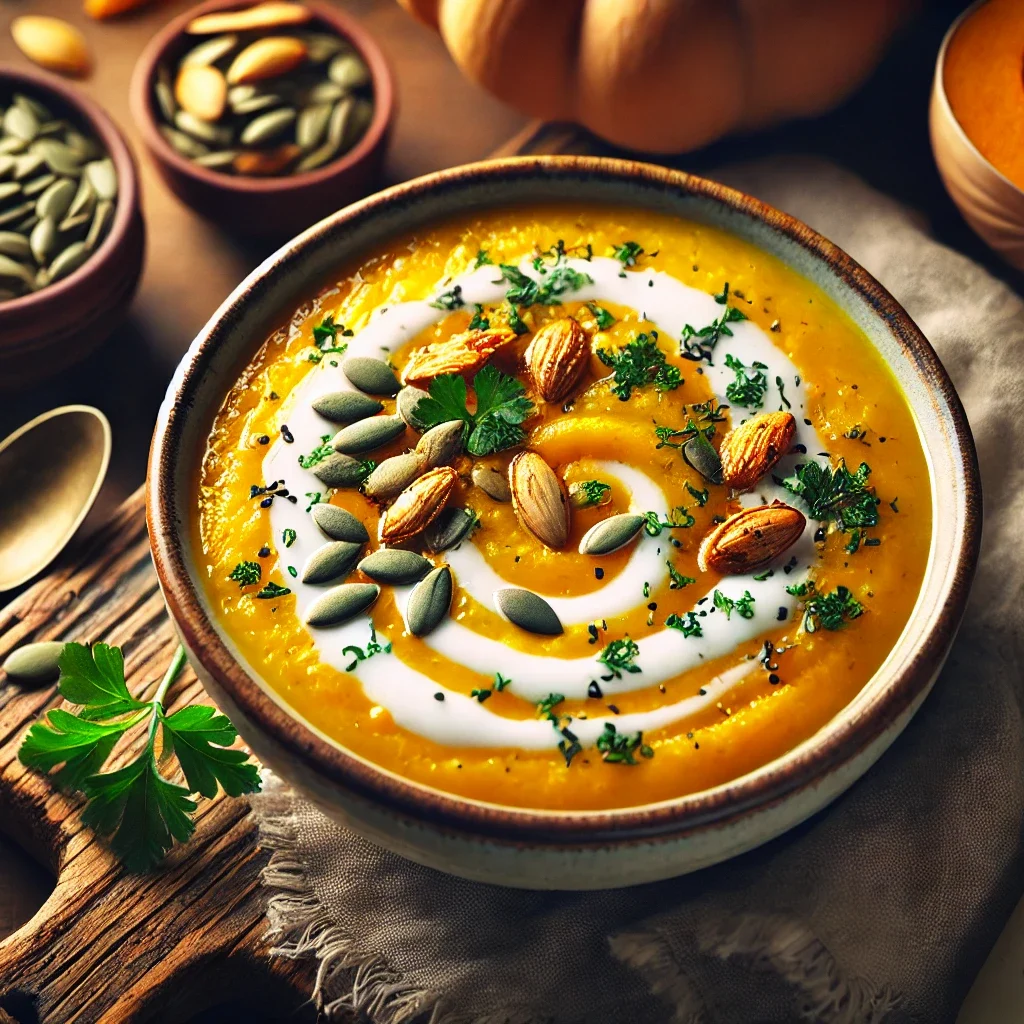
{"x": 699, "y": 345}
{"x": 678, "y": 519}
{"x": 638, "y": 363}
{"x": 481, "y": 695}
{"x": 271, "y": 590}
{"x": 246, "y": 574}
{"x": 743, "y": 606}
{"x": 603, "y": 318}
{"x": 450, "y": 300}
{"x": 620, "y": 656}
{"x": 628, "y": 253}
{"x": 701, "y": 496}
{"x": 500, "y": 682}
{"x": 619, "y": 747}
{"x": 136, "y": 806}
{"x": 546, "y": 707}
{"x": 688, "y": 625}
{"x": 288, "y": 538}
{"x": 676, "y": 579}
{"x": 831, "y": 610}
{"x": 361, "y": 654}
{"x": 588, "y": 493}
{"x": 318, "y": 454}
{"x": 479, "y": 322}
{"x": 325, "y": 334}
{"x": 315, "y": 497}
{"x": 483, "y": 259}
{"x": 835, "y": 495}
{"x": 748, "y": 389}
{"x": 527, "y": 291}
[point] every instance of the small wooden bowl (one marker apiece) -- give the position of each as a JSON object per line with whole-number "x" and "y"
{"x": 57, "y": 326}
{"x": 991, "y": 203}
{"x": 272, "y": 207}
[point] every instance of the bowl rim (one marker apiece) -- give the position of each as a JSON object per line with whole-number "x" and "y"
{"x": 103, "y": 259}
{"x": 143, "y": 109}
{"x": 328, "y": 760}
{"x": 942, "y": 98}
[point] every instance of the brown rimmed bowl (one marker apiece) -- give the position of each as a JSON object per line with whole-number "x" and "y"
{"x": 49, "y": 330}
{"x": 581, "y": 849}
{"x": 270, "y": 207}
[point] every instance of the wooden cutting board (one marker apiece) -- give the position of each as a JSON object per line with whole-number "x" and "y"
{"x": 109, "y": 946}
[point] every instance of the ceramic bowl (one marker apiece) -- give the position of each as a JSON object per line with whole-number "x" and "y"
{"x": 563, "y": 850}
{"x": 272, "y": 207}
{"x": 55, "y": 327}
{"x": 991, "y": 203}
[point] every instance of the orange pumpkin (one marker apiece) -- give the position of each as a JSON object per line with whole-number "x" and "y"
{"x": 666, "y": 75}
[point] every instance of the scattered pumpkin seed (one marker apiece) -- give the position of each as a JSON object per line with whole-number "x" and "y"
{"x": 256, "y": 104}
{"x": 68, "y": 261}
{"x": 209, "y": 134}
{"x": 182, "y": 143}
{"x": 20, "y": 122}
{"x": 16, "y": 213}
{"x": 439, "y": 445}
{"x": 449, "y": 529}
{"x": 312, "y": 125}
{"x": 8, "y": 190}
{"x": 527, "y": 610}
{"x": 429, "y": 601}
{"x": 348, "y": 71}
{"x": 393, "y": 475}
{"x": 267, "y": 127}
{"x": 26, "y": 165}
{"x": 611, "y": 534}
{"x": 42, "y": 240}
{"x": 492, "y": 482}
{"x": 394, "y": 566}
{"x": 61, "y": 159}
{"x": 219, "y": 160}
{"x": 368, "y": 435}
{"x": 14, "y": 245}
{"x": 34, "y": 663}
{"x": 339, "y": 524}
{"x": 209, "y": 52}
{"x": 13, "y": 269}
{"x": 405, "y": 405}
{"x": 700, "y": 454}
{"x": 56, "y": 200}
{"x": 103, "y": 178}
{"x": 339, "y": 470}
{"x": 331, "y": 561}
{"x": 372, "y": 376}
{"x": 347, "y": 406}
{"x": 101, "y": 218}
{"x": 35, "y": 186}
{"x": 341, "y": 603}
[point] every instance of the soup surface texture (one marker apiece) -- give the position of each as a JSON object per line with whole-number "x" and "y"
{"x": 672, "y": 672}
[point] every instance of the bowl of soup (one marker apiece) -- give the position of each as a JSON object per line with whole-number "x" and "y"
{"x": 564, "y": 522}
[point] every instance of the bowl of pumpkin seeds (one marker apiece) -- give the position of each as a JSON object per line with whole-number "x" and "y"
{"x": 71, "y": 232}
{"x": 264, "y": 117}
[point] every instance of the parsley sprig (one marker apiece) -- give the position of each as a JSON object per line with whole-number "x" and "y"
{"x": 830, "y": 610}
{"x": 750, "y": 385}
{"x": 620, "y": 656}
{"x": 699, "y": 345}
{"x": 835, "y": 495}
{"x": 619, "y": 747}
{"x": 136, "y": 806}
{"x": 529, "y": 291}
{"x": 501, "y": 408}
{"x": 638, "y": 363}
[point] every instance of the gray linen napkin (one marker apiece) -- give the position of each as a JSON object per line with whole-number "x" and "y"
{"x": 880, "y": 909}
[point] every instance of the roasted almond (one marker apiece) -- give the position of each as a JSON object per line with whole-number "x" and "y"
{"x": 273, "y": 14}
{"x": 266, "y": 58}
{"x": 418, "y": 505}
{"x": 51, "y": 43}
{"x": 202, "y": 91}
{"x": 539, "y": 499}
{"x": 556, "y": 358}
{"x": 461, "y": 353}
{"x": 750, "y": 450}
{"x": 260, "y": 162}
{"x": 750, "y": 540}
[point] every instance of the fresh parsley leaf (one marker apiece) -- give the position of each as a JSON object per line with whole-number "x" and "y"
{"x": 676, "y": 579}
{"x": 587, "y": 493}
{"x": 748, "y": 389}
{"x": 688, "y": 625}
{"x": 322, "y": 451}
{"x": 546, "y": 707}
{"x": 515, "y": 321}
{"x": 500, "y": 682}
{"x": 245, "y": 574}
{"x": 288, "y": 538}
{"x": 835, "y": 495}
{"x": 527, "y": 291}
{"x": 94, "y": 678}
{"x": 831, "y": 610}
{"x": 628, "y": 253}
{"x": 325, "y": 334}
{"x": 620, "y": 656}
{"x": 315, "y": 497}
{"x": 678, "y": 519}
{"x": 271, "y": 590}
{"x": 619, "y": 747}
{"x": 80, "y": 745}
{"x": 701, "y": 496}
{"x": 201, "y": 739}
{"x": 743, "y": 606}
{"x": 447, "y": 402}
{"x": 483, "y": 259}
{"x": 638, "y": 363}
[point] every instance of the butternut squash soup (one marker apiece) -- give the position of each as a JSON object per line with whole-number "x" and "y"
{"x": 567, "y": 508}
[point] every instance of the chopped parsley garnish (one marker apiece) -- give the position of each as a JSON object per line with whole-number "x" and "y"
{"x": 515, "y": 321}
{"x": 835, "y": 495}
{"x": 366, "y": 467}
{"x": 271, "y": 590}
{"x": 450, "y": 300}
{"x": 479, "y": 322}
{"x": 546, "y": 707}
{"x": 500, "y": 682}
{"x": 527, "y": 291}
{"x": 361, "y": 654}
{"x": 603, "y": 318}
{"x": 701, "y": 496}
{"x": 501, "y": 406}
{"x": 619, "y": 747}
{"x": 483, "y": 259}
{"x": 618, "y": 657}
{"x": 481, "y": 695}
{"x": 628, "y": 253}
{"x": 676, "y": 579}
{"x": 318, "y": 454}
{"x": 743, "y": 606}
{"x": 699, "y": 345}
{"x": 135, "y": 805}
{"x": 288, "y": 538}
{"x": 638, "y": 363}
{"x": 678, "y": 519}
{"x": 246, "y": 574}
{"x": 782, "y": 394}
{"x": 831, "y": 610}
{"x": 325, "y": 334}
{"x": 748, "y": 389}
{"x": 315, "y": 498}
{"x": 588, "y": 493}
{"x": 688, "y": 625}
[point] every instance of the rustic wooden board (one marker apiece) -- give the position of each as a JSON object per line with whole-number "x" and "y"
{"x": 109, "y": 947}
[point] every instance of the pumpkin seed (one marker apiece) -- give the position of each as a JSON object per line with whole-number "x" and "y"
{"x": 257, "y": 103}
{"x": 331, "y": 561}
{"x": 439, "y": 445}
{"x": 393, "y": 475}
{"x": 211, "y": 134}
{"x": 8, "y": 190}
{"x": 372, "y": 376}
{"x": 26, "y": 165}
{"x": 56, "y": 200}
{"x": 358, "y": 122}
{"x": 348, "y": 71}
{"x": 405, "y": 405}
{"x": 14, "y": 245}
{"x": 103, "y": 178}
{"x": 611, "y": 534}
{"x": 339, "y": 524}
{"x": 7, "y": 162}
{"x": 267, "y": 127}
{"x": 23, "y": 227}
{"x": 219, "y": 160}
{"x": 527, "y": 610}
{"x": 68, "y": 261}
{"x": 33, "y": 105}
{"x": 38, "y": 185}
{"x": 13, "y": 269}
{"x": 394, "y": 566}
{"x": 34, "y": 663}
{"x": 182, "y": 143}
{"x": 52, "y": 128}
{"x": 339, "y": 471}
{"x": 449, "y": 529}
{"x": 85, "y": 149}
{"x": 70, "y": 224}
{"x": 429, "y": 601}
{"x": 368, "y": 434}
{"x": 209, "y": 52}
{"x": 336, "y": 130}
{"x": 59, "y": 158}
{"x": 312, "y": 125}
{"x": 16, "y": 213}
{"x": 165, "y": 99}
{"x": 12, "y": 145}
{"x": 84, "y": 198}
{"x": 341, "y": 603}
{"x": 346, "y": 406}
{"x": 21, "y": 122}
{"x": 42, "y": 279}
{"x": 100, "y": 219}
{"x": 320, "y": 46}
{"x": 492, "y": 482}
{"x": 42, "y": 239}
{"x": 318, "y": 157}
{"x": 700, "y": 454}
{"x": 326, "y": 92}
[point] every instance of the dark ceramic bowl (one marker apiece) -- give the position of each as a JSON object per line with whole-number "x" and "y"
{"x": 563, "y": 849}
{"x": 57, "y": 326}
{"x": 271, "y": 207}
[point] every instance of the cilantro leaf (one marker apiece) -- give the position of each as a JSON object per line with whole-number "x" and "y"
{"x": 201, "y": 738}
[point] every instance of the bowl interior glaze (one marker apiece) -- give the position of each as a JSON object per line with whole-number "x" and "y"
{"x": 240, "y": 325}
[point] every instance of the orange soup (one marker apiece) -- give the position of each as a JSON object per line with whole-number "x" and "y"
{"x": 565, "y": 508}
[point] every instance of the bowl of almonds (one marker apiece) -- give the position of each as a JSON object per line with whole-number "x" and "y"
{"x": 71, "y": 232}
{"x": 264, "y": 117}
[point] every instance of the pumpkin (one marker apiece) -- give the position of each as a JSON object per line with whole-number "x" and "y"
{"x": 666, "y": 75}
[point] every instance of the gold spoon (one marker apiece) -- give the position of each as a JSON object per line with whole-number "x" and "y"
{"x": 51, "y": 470}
